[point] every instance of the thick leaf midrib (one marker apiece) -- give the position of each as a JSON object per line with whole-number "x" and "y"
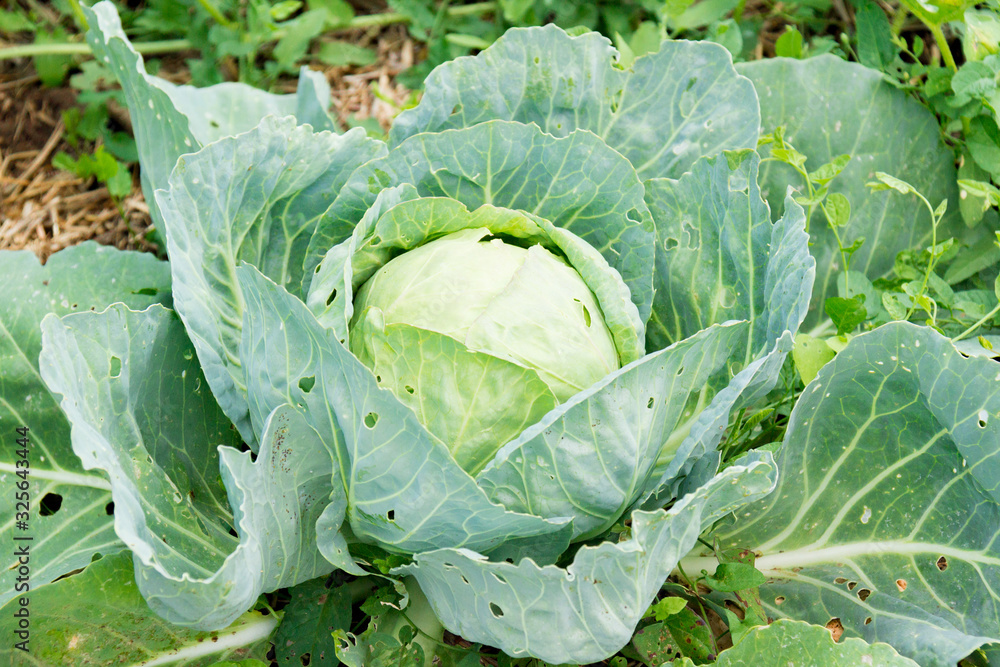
{"x": 810, "y": 499}
{"x": 782, "y": 563}
{"x": 221, "y": 643}
{"x": 62, "y": 476}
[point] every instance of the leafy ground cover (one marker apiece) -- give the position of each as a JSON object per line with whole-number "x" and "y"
{"x": 753, "y": 418}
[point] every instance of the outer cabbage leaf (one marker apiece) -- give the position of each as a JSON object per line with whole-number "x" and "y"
{"x": 170, "y": 120}
{"x": 255, "y": 198}
{"x": 405, "y": 491}
{"x": 576, "y": 182}
{"x": 797, "y": 644}
{"x": 886, "y": 513}
{"x": 331, "y": 290}
{"x": 141, "y": 412}
{"x": 80, "y": 278}
{"x": 591, "y": 457}
{"x": 832, "y": 107}
{"x": 670, "y": 108}
{"x": 720, "y": 258}
{"x": 705, "y": 425}
{"x": 97, "y": 617}
{"x": 588, "y": 611}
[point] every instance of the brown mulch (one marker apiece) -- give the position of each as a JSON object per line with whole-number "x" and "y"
{"x": 44, "y": 209}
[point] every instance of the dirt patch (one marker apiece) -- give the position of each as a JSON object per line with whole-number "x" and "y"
{"x": 29, "y": 111}
{"x": 44, "y": 209}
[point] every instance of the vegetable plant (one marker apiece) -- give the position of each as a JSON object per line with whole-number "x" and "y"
{"x": 493, "y": 274}
{"x": 489, "y": 364}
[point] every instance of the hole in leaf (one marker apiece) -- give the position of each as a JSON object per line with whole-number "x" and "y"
{"x": 537, "y": 60}
{"x": 466, "y": 581}
{"x": 409, "y": 389}
{"x": 371, "y": 419}
{"x": 851, "y": 585}
{"x": 378, "y": 378}
{"x": 109, "y": 509}
{"x": 214, "y": 123}
{"x": 317, "y": 269}
{"x": 305, "y": 659}
{"x": 840, "y": 580}
{"x": 649, "y": 403}
{"x": 901, "y": 585}
{"x": 499, "y": 578}
{"x": 680, "y": 371}
{"x": 232, "y": 531}
{"x": 146, "y": 291}
{"x": 51, "y": 502}
{"x": 633, "y": 215}
{"x": 456, "y": 109}
{"x": 983, "y": 418}
{"x": 376, "y": 240}
{"x": 329, "y": 299}
{"x": 497, "y": 611}
{"x": 942, "y": 563}
{"x": 868, "y": 620}
{"x": 836, "y": 628}
{"x": 116, "y": 367}
{"x": 390, "y": 515}
{"x": 778, "y": 600}
{"x": 586, "y": 316}
{"x": 670, "y": 243}
{"x": 307, "y": 383}
{"x": 863, "y": 594}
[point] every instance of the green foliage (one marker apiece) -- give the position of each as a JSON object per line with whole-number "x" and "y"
{"x": 683, "y": 634}
{"x": 82, "y": 278}
{"x": 306, "y": 634}
{"x": 99, "y": 616}
{"x": 867, "y": 523}
{"x": 811, "y": 644}
{"x": 272, "y": 234}
{"x": 101, "y": 165}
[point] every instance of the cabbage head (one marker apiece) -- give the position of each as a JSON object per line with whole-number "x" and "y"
{"x": 493, "y": 355}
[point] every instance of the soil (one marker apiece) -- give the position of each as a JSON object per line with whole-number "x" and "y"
{"x": 44, "y": 209}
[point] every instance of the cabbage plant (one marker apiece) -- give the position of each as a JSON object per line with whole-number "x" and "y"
{"x": 492, "y": 356}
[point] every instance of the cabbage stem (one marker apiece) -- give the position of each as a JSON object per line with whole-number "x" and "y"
{"x": 430, "y": 632}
